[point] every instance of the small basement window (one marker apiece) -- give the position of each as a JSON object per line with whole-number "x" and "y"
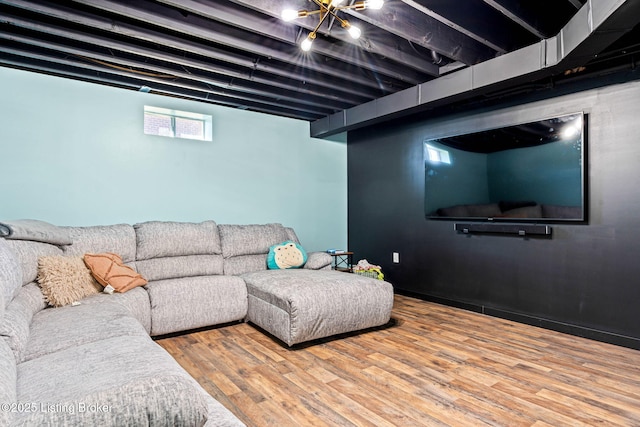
{"x": 437, "y": 155}
{"x": 177, "y": 124}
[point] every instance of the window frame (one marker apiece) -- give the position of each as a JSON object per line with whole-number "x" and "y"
{"x": 205, "y": 119}
{"x": 437, "y": 155}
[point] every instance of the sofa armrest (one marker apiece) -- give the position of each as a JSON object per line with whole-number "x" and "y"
{"x": 317, "y": 261}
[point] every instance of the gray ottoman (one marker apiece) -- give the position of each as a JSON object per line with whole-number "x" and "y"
{"x": 302, "y": 305}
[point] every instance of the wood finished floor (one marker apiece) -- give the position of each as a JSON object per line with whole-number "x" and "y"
{"x": 438, "y": 366}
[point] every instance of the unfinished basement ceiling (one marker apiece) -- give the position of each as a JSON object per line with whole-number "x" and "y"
{"x": 239, "y": 53}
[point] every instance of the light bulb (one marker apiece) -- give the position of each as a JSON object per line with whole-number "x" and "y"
{"x": 288, "y": 15}
{"x": 354, "y": 32}
{"x": 374, "y": 4}
{"x": 306, "y": 43}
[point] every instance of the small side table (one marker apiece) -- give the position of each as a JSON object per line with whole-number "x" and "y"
{"x": 343, "y": 261}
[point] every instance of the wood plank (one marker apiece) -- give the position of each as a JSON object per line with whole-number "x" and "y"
{"x": 351, "y": 409}
{"x": 438, "y": 366}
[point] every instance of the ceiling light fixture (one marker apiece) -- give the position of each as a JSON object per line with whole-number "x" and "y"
{"x": 327, "y": 8}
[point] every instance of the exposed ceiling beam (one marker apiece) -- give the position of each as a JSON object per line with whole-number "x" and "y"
{"x": 113, "y": 64}
{"x": 240, "y": 53}
{"x": 592, "y": 29}
{"x": 321, "y": 75}
{"x": 437, "y": 37}
{"x": 134, "y": 82}
{"x": 79, "y": 63}
{"x": 477, "y": 37}
{"x": 235, "y": 37}
{"x": 515, "y": 18}
{"x": 251, "y": 60}
{"x": 224, "y": 75}
{"x": 422, "y": 29}
{"x": 283, "y": 31}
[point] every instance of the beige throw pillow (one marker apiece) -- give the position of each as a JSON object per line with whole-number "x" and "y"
{"x": 65, "y": 280}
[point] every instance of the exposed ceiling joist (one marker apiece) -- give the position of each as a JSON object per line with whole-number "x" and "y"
{"x": 515, "y": 18}
{"x": 382, "y": 47}
{"x": 423, "y": 30}
{"x": 190, "y": 68}
{"x": 239, "y": 53}
{"x": 237, "y": 37}
{"x": 474, "y": 34}
{"x": 583, "y": 38}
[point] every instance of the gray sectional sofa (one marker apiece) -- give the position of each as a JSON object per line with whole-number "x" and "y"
{"x": 95, "y": 362}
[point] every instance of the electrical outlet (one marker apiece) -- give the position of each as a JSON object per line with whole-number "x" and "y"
{"x": 396, "y": 258}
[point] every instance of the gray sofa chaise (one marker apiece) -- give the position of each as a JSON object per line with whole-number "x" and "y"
{"x": 95, "y": 363}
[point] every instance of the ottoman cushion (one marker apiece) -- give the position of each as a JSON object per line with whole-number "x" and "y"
{"x": 302, "y": 305}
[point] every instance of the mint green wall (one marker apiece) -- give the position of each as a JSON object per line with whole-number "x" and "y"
{"x": 74, "y": 153}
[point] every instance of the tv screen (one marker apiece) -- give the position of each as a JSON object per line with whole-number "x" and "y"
{"x": 533, "y": 172}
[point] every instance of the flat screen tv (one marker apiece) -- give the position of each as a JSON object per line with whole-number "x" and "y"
{"x": 531, "y": 172}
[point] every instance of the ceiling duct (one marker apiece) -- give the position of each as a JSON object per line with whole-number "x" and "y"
{"x": 596, "y": 25}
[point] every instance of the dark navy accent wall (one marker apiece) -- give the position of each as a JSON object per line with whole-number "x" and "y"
{"x": 583, "y": 280}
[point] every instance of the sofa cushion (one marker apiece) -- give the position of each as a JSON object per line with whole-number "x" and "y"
{"x": 136, "y": 301}
{"x": 18, "y": 315}
{"x": 119, "y": 239}
{"x": 244, "y": 264}
{"x": 166, "y": 239}
{"x": 291, "y": 234}
{"x": 56, "y": 329}
{"x": 65, "y": 280}
{"x": 36, "y": 231}
{"x": 109, "y": 270}
{"x": 10, "y": 275}
{"x": 318, "y": 261}
{"x": 250, "y": 239}
{"x": 180, "y": 266}
{"x": 204, "y": 301}
{"x": 286, "y": 255}
{"x": 7, "y": 380}
{"x": 28, "y": 253}
{"x": 131, "y": 379}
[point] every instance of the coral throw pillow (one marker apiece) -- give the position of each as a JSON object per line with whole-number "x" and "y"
{"x": 109, "y": 270}
{"x": 286, "y": 255}
{"x": 65, "y": 280}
